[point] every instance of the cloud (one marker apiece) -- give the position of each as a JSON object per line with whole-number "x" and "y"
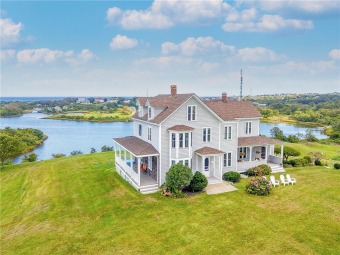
{"x": 267, "y": 23}
{"x": 335, "y": 54}
{"x": 122, "y": 42}
{"x": 7, "y": 54}
{"x": 258, "y": 54}
{"x": 167, "y": 13}
{"x": 82, "y": 58}
{"x": 192, "y": 46}
{"x": 41, "y": 55}
{"x": 9, "y": 32}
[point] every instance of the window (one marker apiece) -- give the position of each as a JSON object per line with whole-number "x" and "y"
{"x": 181, "y": 140}
{"x": 173, "y": 140}
{"x": 149, "y": 133}
{"x": 191, "y": 112}
{"x": 186, "y": 140}
{"x": 227, "y": 132}
{"x": 206, "y": 134}
{"x": 248, "y": 127}
{"x": 243, "y": 152}
{"x": 149, "y": 112}
{"x": 140, "y": 130}
{"x": 180, "y": 162}
{"x": 227, "y": 159}
{"x": 186, "y": 162}
{"x": 173, "y": 162}
{"x": 206, "y": 164}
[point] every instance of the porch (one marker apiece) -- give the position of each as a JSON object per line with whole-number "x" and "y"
{"x": 137, "y": 162}
{"x": 209, "y": 163}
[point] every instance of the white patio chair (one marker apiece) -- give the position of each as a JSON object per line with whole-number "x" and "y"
{"x": 283, "y": 180}
{"x": 273, "y": 181}
{"x": 290, "y": 180}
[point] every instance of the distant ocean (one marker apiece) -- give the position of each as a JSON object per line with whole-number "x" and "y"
{"x": 29, "y": 99}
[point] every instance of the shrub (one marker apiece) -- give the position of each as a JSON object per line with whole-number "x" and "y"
{"x": 308, "y": 159}
{"x": 258, "y": 186}
{"x": 298, "y": 162}
{"x": 30, "y": 158}
{"x": 76, "y": 152}
{"x": 254, "y": 171}
{"x": 337, "y": 165}
{"x": 198, "y": 182}
{"x": 177, "y": 178}
{"x": 107, "y": 148}
{"x": 58, "y": 155}
{"x": 317, "y": 162}
{"x": 266, "y": 170}
{"x": 232, "y": 176}
{"x": 287, "y": 151}
{"x": 93, "y": 150}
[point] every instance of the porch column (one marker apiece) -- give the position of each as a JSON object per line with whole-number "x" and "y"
{"x": 250, "y": 153}
{"x": 265, "y": 152}
{"x": 138, "y": 167}
{"x": 281, "y": 153}
{"x": 221, "y": 162}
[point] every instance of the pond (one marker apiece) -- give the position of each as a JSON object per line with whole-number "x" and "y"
{"x": 66, "y": 136}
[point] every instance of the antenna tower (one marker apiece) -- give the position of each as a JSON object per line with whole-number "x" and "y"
{"x": 241, "y": 84}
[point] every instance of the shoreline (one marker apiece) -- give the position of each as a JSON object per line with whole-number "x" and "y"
{"x": 83, "y": 120}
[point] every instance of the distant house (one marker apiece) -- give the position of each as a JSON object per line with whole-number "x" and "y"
{"x": 81, "y": 100}
{"x": 211, "y": 137}
{"x": 57, "y": 109}
{"x": 99, "y": 100}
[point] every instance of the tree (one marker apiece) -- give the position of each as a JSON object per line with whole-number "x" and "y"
{"x": 309, "y": 136}
{"x": 93, "y": 150}
{"x": 198, "y": 182}
{"x": 277, "y": 133}
{"x": 177, "y": 178}
{"x": 10, "y": 148}
{"x": 32, "y": 157}
{"x": 287, "y": 152}
{"x": 91, "y": 100}
{"x": 76, "y": 152}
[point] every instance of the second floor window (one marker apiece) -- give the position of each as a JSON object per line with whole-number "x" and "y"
{"x": 181, "y": 140}
{"x": 206, "y": 134}
{"x": 149, "y": 133}
{"x": 149, "y": 112}
{"x": 173, "y": 140}
{"x": 227, "y": 132}
{"x": 186, "y": 142}
{"x": 248, "y": 127}
{"x": 140, "y": 130}
{"x": 191, "y": 112}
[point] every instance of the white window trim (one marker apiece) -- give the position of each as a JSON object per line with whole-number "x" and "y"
{"x": 231, "y": 132}
{"x": 206, "y": 134}
{"x": 175, "y": 135}
{"x": 247, "y": 127}
{"x": 177, "y": 160}
{"x": 244, "y": 149}
{"x": 141, "y": 130}
{"x": 191, "y": 112}
{"x": 149, "y": 134}
{"x": 225, "y": 162}
{"x": 150, "y": 113}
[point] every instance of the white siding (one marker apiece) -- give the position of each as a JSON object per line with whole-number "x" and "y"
{"x": 255, "y": 127}
{"x": 229, "y": 145}
{"x": 154, "y": 133}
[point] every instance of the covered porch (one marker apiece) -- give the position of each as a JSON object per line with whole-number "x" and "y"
{"x": 137, "y": 162}
{"x": 209, "y": 163}
{"x": 257, "y": 150}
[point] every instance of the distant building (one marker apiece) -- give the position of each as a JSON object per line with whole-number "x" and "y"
{"x": 81, "y": 100}
{"x": 57, "y": 109}
{"x": 99, "y": 100}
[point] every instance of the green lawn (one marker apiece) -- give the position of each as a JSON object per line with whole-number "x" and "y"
{"x": 79, "y": 205}
{"x": 330, "y": 151}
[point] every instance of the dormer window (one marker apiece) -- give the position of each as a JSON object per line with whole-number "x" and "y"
{"x": 149, "y": 112}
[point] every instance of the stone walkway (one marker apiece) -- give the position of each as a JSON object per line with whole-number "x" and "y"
{"x": 219, "y": 188}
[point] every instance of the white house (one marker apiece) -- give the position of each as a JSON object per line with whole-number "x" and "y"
{"x": 212, "y": 137}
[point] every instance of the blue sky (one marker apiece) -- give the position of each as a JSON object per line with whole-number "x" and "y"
{"x": 126, "y": 48}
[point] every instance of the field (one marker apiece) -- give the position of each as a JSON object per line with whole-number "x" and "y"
{"x": 80, "y": 205}
{"x": 331, "y": 152}
{"x": 93, "y": 116}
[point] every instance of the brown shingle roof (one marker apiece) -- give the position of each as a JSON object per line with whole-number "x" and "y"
{"x": 208, "y": 151}
{"x": 136, "y": 146}
{"x": 181, "y": 128}
{"x": 257, "y": 141}
{"x": 142, "y": 100}
{"x": 169, "y": 102}
{"x": 233, "y": 109}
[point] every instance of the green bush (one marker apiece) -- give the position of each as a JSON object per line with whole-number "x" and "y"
{"x": 317, "y": 162}
{"x": 308, "y": 159}
{"x": 266, "y": 170}
{"x": 259, "y": 170}
{"x": 178, "y": 177}
{"x": 299, "y": 162}
{"x": 337, "y": 165}
{"x": 258, "y": 186}
{"x": 231, "y": 176}
{"x": 198, "y": 182}
{"x": 32, "y": 157}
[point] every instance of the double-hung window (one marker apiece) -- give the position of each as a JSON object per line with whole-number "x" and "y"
{"x": 227, "y": 159}
{"x": 139, "y": 129}
{"x": 248, "y": 127}
{"x": 227, "y": 132}
{"x": 191, "y": 113}
{"x": 181, "y": 140}
{"x": 149, "y": 113}
{"x": 173, "y": 140}
{"x": 186, "y": 141}
{"x": 149, "y": 133}
{"x": 206, "y": 134}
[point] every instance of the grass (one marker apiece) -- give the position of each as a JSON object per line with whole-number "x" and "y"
{"x": 331, "y": 151}
{"x": 92, "y": 116}
{"x": 80, "y": 205}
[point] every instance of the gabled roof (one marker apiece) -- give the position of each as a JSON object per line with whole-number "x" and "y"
{"x": 170, "y": 103}
{"x": 180, "y": 128}
{"x": 257, "y": 141}
{"x": 136, "y": 146}
{"x": 208, "y": 151}
{"x": 233, "y": 109}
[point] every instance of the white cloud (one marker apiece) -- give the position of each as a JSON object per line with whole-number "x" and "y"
{"x": 82, "y": 58}
{"x": 267, "y": 23}
{"x": 9, "y": 32}
{"x": 192, "y": 46}
{"x": 335, "y": 54}
{"x": 41, "y": 55}
{"x": 167, "y": 13}
{"x": 122, "y": 42}
{"x": 7, "y": 54}
{"x": 258, "y": 54}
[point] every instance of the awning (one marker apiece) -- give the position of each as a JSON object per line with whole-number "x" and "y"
{"x": 180, "y": 128}
{"x": 137, "y": 146}
{"x": 257, "y": 141}
{"x": 208, "y": 151}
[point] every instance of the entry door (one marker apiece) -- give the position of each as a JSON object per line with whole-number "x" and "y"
{"x": 206, "y": 167}
{"x": 263, "y": 152}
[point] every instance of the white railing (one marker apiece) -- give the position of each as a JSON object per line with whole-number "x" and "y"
{"x": 274, "y": 159}
{"x": 127, "y": 169}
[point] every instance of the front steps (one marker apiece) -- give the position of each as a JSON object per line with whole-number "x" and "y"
{"x": 149, "y": 189}
{"x": 212, "y": 180}
{"x": 277, "y": 169}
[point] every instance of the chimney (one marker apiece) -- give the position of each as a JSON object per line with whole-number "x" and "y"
{"x": 224, "y": 97}
{"x": 173, "y": 89}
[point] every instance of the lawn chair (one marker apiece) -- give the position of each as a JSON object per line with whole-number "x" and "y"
{"x": 290, "y": 180}
{"x": 273, "y": 181}
{"x": 283, "y": 180}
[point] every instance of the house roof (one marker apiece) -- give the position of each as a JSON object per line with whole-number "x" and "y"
{"x": 170, "y": 103}
{"x": 233, "y": 109}
{"x": 208, "y": 151}
{"x": 136, "y": 146}
{"x": 257, "y": 141}
{"x": 180, "y": 128}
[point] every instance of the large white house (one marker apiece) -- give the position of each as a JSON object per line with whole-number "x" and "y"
{"x": 212, "y": 137}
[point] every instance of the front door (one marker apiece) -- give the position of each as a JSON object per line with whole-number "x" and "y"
{"x": 263, "y": 152}
{"x": 206, "y": 169}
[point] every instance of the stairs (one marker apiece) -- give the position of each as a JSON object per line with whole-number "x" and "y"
{"x": 277, "y": 168}
{"x": 149, "y": 189}
{"x": 212, "y": 180}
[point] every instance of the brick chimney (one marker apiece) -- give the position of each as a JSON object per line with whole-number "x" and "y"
{"x": 224, "y": 97}
{"x": 173, "y": 89}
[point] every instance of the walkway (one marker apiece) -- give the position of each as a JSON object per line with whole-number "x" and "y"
{"x": 219, "y": 188}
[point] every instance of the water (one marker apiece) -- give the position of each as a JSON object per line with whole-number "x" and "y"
{"x": 30, "y": 99}
{"x": 66, "y": 136}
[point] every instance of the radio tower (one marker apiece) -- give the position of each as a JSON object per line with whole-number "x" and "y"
{"x": 241, "y": 84}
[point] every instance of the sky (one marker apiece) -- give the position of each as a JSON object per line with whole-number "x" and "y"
{"x": 139, "y": 48}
